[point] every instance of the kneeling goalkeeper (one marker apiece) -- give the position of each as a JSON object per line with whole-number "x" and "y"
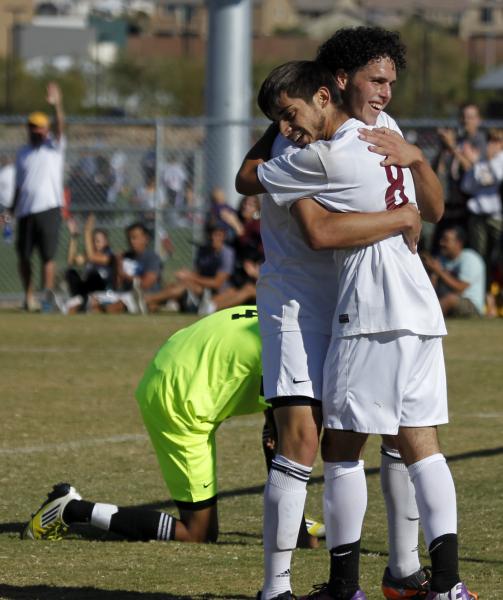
{"x": 200, "y": 377}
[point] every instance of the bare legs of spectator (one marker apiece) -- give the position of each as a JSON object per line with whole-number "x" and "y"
{"x": 229, "y": 297}
{"x": 25, "y": 273}
{"x": 24, "y": 267}
{"x": 173, "y": 291}
{"x": 49, "y": 274}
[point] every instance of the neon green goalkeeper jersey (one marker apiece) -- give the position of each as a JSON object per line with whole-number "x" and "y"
{"x": 208, "y": 371}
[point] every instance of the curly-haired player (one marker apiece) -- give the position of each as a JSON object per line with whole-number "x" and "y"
{"x": 352, "y": 48}
{"x": 365, "y": 62}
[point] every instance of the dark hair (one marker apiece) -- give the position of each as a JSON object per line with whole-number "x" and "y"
{"x": 297, "y": 78}
{"x": 137, "y": 225}
{"x": 351, "y": 48}
{"x": 103, "y": 232}
{"x": 466, "y": 105}
{"x": 459, "y": 232}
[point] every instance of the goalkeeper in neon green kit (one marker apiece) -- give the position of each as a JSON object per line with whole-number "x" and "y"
{"x": 200, "y": 377}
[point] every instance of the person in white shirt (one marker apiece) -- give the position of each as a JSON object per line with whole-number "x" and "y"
{"x": 296, "y": 301}
{"x": 387, "y": 325}
{"x": 38, "y": 197}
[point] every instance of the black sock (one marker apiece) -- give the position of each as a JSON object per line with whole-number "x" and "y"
{"x": 344, "y": 571}
{"x": 444, "y": 562}
{"x": 141, "y": 524}
{"x": 78, "y": 511}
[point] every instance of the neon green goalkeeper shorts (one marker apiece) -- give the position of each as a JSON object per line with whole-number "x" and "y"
{"x": 186, "y": 450}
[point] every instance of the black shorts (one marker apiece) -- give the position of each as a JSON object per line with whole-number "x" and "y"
{"x": 41, "y": 231}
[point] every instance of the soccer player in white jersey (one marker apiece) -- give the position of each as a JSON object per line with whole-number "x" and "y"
{"x": 384, "y": 372}
{"x": 296, "y": 301}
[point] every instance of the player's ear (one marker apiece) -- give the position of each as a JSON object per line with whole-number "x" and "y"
{"x": 323, "y": 97}
{"x": 341, "y": 79}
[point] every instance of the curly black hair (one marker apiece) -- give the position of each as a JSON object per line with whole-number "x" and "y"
{"x": 351, "y": 48}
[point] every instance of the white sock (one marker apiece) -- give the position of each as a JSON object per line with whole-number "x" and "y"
{"x": 284, "y": 499}
{"x": 344, "y": 502}
{"x": 403, "y": 517}
{"x": 102, "y": 515}
{"x": 435, "y": 495}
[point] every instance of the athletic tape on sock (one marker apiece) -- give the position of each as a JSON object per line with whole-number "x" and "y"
{"x": 102, "y": 515}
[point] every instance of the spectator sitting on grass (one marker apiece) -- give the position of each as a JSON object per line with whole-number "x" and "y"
{"x": 138, "y": 270}
{"x": 98, "y": 262}
{"x": 458, "y": 276}
{"x": 249, "y": 257}
{"x": 214, "y": 265}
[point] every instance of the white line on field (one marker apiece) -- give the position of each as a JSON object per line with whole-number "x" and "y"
{"x": 114, "y": 439}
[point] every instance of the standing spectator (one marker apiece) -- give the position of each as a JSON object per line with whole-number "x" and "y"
{"x": 482, "y": 183}
{"x": 174, "y": 178}
{"x": 7, "y": 182}
{"x": 213, "y": 267}
{"x": 147, "y": 197}
{"x": 138, "y": 270}
{"x": 38, "y": 198}
{"x": 98, "y": 264}
{"x": 118, "y": 177}
{"x": 458, "y": 276}
{"x": 7, "y": 186}
{"x": 454, "y": 159}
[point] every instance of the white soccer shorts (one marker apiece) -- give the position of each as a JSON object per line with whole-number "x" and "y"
{"x": 376, "y": 383}
{"x": 292, "y": 363}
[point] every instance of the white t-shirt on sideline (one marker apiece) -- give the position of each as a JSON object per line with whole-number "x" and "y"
{"x": 39, "y": 177}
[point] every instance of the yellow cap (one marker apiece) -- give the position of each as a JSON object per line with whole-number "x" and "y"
{"x": 38, "y": 119}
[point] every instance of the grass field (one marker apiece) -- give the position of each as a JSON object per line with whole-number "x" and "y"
{"x": 68, "y": 413}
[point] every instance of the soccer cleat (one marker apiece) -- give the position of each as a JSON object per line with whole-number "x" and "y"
{"x": 283, "y": 596}
{"x": 47, "y": 523}
{"x": 413, "y": 587}
{"x": 315, "y": 528}
{"x": 321, "y": 592}
{"x": 458, "y": 592}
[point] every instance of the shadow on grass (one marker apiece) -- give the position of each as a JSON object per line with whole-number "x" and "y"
{"x": 88, "y": 532}
{"x": 46, "y": 592}
{"x": 482, "y": 561}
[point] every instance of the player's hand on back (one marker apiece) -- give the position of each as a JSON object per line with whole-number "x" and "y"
{"x": 390, "y": 144}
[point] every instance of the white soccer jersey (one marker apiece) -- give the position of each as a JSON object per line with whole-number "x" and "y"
{"x": 297, "y": 287}
{"x": 382, "y": 287}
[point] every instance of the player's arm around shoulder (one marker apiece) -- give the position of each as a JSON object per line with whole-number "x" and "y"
{"x": 247, "y": 181}
{"x": 324, "y": 230}
{"x": 398, "y": 152}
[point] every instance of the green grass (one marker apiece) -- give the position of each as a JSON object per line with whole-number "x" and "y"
{"x": 68, "y": 413}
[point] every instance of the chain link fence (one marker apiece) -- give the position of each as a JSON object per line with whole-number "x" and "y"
{"x": 139, "y": 170}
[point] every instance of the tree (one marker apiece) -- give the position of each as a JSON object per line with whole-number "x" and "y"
{"x": 436, "y": 80}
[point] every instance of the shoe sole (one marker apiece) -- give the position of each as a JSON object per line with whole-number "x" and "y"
{"x": 401, "y": 594}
